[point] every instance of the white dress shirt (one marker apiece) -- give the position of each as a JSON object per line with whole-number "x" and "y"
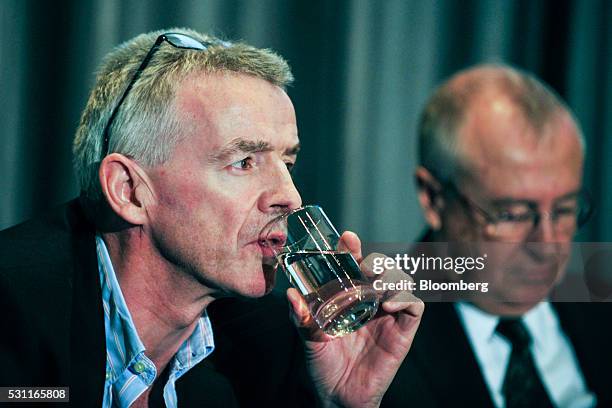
{"x": 552, "y": 351}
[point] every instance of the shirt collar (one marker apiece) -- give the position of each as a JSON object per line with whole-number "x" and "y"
{"x": 122, "y": 340}
{"x": 539, "y": 321}
{"x": 482, "y": 324}
{"x": 199, "y": 345}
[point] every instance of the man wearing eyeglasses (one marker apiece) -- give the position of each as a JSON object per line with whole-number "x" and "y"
{"x": 183, "y": 154}
{"x": 500, "y": 177}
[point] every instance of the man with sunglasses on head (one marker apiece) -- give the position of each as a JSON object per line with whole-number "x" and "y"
{"x": 183, "y": 154}
{"x": 500, "y": 177}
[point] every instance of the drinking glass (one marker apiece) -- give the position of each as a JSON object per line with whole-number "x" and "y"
{"x": 305, "y": 243}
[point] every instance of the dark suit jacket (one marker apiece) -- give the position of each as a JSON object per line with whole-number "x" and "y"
{"x": 441, "y": 370}
{"x": 52, "y": 326}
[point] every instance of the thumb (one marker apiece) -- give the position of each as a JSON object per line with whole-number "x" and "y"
{"x": 349, "y": 241}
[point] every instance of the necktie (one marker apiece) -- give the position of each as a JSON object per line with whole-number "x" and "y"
{"x": 522, "y": 386}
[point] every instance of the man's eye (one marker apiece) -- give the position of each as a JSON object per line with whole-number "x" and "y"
{"x": 243, "y": 164}
{"x": 565, "y": 211}
{"x": 513, "y": 216}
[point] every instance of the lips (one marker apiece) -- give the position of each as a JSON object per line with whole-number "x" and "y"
{"x": 268, "y": 256}
{"x": 266, "y": 251}
{"x": 270, "y": 241}
{"x": 274, "y": 239}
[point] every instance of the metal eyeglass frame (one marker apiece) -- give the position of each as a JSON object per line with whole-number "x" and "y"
{"x": 177, "y": 40}
{"x": 582, "y": 216}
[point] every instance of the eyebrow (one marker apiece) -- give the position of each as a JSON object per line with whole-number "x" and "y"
{"x": 513, "y": 201}
{"x": 244, "y": 146}
{"x": 292, "y": 151}
{"x": 568, "y": 196}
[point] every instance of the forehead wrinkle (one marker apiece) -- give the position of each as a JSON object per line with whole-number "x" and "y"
{"x": 240, "y": 119}
{"x": 233, "y": 118}
{"x": 225, "y": 111}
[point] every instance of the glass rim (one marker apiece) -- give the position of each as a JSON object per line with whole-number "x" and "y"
{"x": 304, "y": 207}
{"x": 268, "y": 227}
{"x": 287, "y": 214}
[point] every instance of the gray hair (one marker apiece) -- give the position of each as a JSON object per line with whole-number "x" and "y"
{"x": 146, "y": 126}
{"x": 443, "y": 114}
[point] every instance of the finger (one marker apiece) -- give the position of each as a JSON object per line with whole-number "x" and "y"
{"x": 299, "y": 309}
{"x": 391, "y": 283}
{"x": 349, "y": 241}
{"x": 301, "y": 317}
{"x": 414, "y": 306}
{"x": 370, "y": 265}
{"x": 408, "y": 323}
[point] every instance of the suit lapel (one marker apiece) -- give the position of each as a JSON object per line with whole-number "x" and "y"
{"x": 87, "y": 338}
{"x": 587, "y": 325}
{"x": 444, "y": 354}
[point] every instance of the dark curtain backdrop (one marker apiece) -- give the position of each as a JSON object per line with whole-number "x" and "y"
{"x": 363, "y": 69}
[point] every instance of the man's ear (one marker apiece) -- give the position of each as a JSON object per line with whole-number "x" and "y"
{"x": 125, "y": 187}
{"x": 429, "y": 192}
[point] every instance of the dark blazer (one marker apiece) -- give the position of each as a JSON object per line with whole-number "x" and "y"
{"x": 52, "y": 326}
{"x": 441, "y": 370}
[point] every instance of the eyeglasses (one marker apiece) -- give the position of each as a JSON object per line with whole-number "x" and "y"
{"x": 516, "y": 221}
{"x": 176, "y": 40}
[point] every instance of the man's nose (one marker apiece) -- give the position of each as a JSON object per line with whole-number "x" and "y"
{"x": 544, "y": 241}
{"x": 280, "y": 193}
{"x": 545, "y": 230}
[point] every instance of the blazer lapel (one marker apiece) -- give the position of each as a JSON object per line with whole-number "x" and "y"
{"x": 444, "y": 355}
{"x": 588, "y": 329}
{"x": 87, "y": 338}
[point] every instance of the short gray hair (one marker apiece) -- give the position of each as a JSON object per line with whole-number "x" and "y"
{"x": 443, "y": 114}
{"x": 146, "y": 126}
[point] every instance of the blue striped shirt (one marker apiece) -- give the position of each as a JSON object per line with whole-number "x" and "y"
{"x": 129, "y": 372}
